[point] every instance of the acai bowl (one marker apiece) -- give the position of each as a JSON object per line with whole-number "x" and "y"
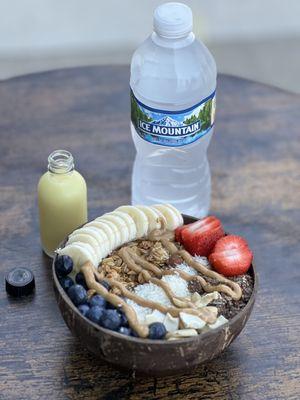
{"x": 155, "y": 292}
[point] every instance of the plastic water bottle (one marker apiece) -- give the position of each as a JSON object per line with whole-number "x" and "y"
{"x": 173, "y": 84}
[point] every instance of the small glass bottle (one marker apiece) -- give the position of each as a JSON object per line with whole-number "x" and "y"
{"x": 62, "y": 200}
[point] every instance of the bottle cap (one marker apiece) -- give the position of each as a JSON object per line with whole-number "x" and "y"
{"x": 173, "y": 20}
{"x": 19, "y": 282}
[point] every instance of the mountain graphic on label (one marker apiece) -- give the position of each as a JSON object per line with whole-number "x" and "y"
{"x": 167, "y": 121}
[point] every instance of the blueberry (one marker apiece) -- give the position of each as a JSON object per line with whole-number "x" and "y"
{"x": 125, "y": 331}
{"x": 110, "y": 306}
{"x": 77, "y": 294}
{"x": 83, "y": 309}
{"x": 79, "y": 278}
{"x": 133, "y": 333}
{"x": 66, "y": 282}
{"x": 157, "y": 330}
{"x": 97, "y": 300}
{"x": 111, "y": 320}
{"x": 124, "y": 320}
{"x": 95, "y": 313}
{"x": 63, "y": 265}
{"x": 105, "y": 284}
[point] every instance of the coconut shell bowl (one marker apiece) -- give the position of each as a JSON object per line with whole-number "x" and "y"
{"x": 152, "y": 357}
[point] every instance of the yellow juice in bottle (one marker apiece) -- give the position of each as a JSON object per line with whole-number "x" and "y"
{"x": 62, "y": 200}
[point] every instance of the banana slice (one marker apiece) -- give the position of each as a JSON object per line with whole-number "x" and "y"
{"x": 103, "y": 241}
{"x": 100, "y": 237}
{"x": 139, "y": 217}
{"x": 80, "y": 254}
{"x": 129, "y": 222}
{"x": 171, "y": 217}
{"x": 177, "y": 212}
{"x": 108, "y": 229}
{"x": 84, "y": 238}
{"x": 120, "y": 225}
{"x": 91, "y": 251}
{"x": 116, "y": 238}
{"x": 161, "y": 217}
{"x": 153, "y": 217}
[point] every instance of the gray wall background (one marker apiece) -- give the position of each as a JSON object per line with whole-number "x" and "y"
{"x": 256, "y": 39}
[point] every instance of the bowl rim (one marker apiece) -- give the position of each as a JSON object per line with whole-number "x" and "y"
{"x": 146, "y": 341}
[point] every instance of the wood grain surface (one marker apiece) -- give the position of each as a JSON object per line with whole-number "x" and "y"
{"x": 255, "y": 162}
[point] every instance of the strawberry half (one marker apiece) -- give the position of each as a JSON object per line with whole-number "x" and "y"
{"x": 230, "y": 242}
{"x": 178, "y": 231}
{"x": 200, "y": 237}
{"x": 231, "y": 256}
{"x": 200, "y": 225}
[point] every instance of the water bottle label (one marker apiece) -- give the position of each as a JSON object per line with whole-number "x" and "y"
{"x": 173, "y": 128}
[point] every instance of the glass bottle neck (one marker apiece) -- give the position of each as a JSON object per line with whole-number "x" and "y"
{"x": 60, "y": 162}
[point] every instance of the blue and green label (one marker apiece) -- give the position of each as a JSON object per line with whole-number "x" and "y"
{"x": 173, "y": 128}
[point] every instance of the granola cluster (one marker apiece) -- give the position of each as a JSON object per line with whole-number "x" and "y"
{"x": 158, "y": 255}
{"x": 114, "y": 267}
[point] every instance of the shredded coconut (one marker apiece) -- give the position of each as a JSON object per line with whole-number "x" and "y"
{"x": 178, "y": 285}
{"x": 203, "y": 260}
{"x": 149, "y": 291}
{"x": 186, "y": 268}
{"x": 141, "y": 312}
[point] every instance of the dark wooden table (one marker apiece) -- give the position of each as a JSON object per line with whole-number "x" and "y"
{"x": 255, "y": 161}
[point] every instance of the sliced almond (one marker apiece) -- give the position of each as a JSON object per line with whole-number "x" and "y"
{"x": 221, "y": 320}
{"x": 182, "y": 333}
{"x": 171, "y": 323}
{"x": 195, "y": 297}
{"x": 191, "y": 321}
{"x": 206, "y": 299}
{"x": 155, "y": 316}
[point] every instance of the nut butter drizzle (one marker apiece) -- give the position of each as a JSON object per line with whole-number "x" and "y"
{"x": 208, "y": 314}
{"x": 136, "y": 263}
{"x": 88, "y": 270}
{"x": 140, "y": 265}
{"x": 233, "y": 289}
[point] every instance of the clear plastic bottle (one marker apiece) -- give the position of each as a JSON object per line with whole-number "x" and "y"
{"x": 173, "y": 83}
